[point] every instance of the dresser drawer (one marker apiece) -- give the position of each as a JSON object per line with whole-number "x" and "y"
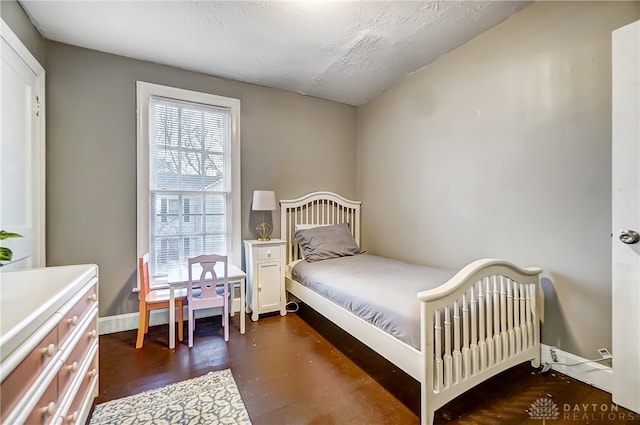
{"x": 45, "y": 410}
{"x": 82, "y": 400}
{"x": 268, "y": 252}
{"x": 73, "y": 318}
{"x": 72, "y": 364}
{"x": 26, "y": 373}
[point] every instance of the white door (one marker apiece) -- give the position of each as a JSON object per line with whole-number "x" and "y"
{"x": 22, "y": 187}
{"x": 626, "y": 215}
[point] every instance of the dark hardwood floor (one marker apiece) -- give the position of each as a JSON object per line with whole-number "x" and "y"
{"x": 301, "y": 369}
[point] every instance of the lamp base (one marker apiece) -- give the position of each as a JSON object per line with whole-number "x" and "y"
{"x": 264, "y": 231}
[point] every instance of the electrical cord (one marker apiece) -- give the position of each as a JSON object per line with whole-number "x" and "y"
{"x": 547, "y": 365}
{"x": 293, "y": 309}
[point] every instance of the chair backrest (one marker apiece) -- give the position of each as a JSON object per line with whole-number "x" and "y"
{"x": 208, "y": 287}
{"x": 143, "y": 272}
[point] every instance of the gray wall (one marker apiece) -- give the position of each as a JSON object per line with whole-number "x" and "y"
{"x": 12, "y": 13}
{"x": 290, "y": 143}
{"x": 502, "y": 149}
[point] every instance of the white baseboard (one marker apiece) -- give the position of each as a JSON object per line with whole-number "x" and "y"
{"x": 592, "y": 373}
{"x": 129, "y": 321}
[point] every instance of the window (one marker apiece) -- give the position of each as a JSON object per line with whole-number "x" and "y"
{"x": 188, "y": 176}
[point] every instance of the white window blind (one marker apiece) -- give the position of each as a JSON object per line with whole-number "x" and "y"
{"x": 189, "y": 181}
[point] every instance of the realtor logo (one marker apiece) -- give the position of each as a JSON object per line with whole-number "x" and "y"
{"x": 544, "y": 408}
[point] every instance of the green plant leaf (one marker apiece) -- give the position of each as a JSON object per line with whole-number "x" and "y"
{"x": 5, "y": 254}
{"x": 7, "y": 235}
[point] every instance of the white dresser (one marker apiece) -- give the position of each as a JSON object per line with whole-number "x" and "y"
{"x": 48, "y": 344}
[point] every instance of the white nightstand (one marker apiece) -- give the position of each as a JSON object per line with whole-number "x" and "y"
{"x": 265, "y": 276}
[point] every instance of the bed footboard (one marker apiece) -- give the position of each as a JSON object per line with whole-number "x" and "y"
{"x": 481, "y": 322}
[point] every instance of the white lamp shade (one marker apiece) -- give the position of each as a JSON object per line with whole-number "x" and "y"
{"x": 264, "y": 200}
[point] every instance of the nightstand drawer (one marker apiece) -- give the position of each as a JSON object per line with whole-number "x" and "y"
{"x": 268, "y": 252}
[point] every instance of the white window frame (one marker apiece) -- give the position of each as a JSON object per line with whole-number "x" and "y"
{"x": 144, "y": 91}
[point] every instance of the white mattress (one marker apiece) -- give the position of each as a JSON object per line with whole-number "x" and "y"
{"x": 380, "y": 290}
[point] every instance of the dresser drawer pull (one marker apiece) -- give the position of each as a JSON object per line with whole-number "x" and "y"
{"x": 72, "y": 419}
{"x": 73, "y": 368}
{"x": 73, "y": 321}
{"x": 93, "y": 372}
{"x": 50, "y": 409}
{"x": 49, "y": 350}
{"x": 92, "y": 297}
{"x": 93, "y": 334}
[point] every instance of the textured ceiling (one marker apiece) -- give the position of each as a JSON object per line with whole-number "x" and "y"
{"x": 346, "y": 51}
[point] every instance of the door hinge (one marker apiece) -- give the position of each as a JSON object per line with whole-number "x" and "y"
{"x": 37, "y": 106}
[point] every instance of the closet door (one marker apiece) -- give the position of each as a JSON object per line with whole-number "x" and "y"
{"x": 625, "y": 246}
{"x": 22, "y": 153}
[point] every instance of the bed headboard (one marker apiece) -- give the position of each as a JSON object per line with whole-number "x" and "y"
{"x": 316, "y": 208}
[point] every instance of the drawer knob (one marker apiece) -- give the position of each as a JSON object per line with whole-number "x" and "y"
{"x": 73, "y": 368}
{"x": 93, "y": 372}
{"x": 93, "y": 297}
{"x": 50, "y": 409}
{"x": 49, "y": 350}
{"x": 72, "y": 419}
{"x": 93, "y": 334}
{"x": 73, "y": 321}
{"x": 269, "y": 254}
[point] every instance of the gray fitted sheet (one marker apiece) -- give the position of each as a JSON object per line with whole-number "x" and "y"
{"x": 380, "y": 290}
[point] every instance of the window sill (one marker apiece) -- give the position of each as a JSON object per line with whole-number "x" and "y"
{"x": 157, "y": 282}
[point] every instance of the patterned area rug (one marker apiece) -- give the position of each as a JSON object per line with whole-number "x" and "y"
{"x": 209, "y": 399}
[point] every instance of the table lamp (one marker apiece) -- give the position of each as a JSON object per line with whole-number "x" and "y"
{"x": 264, "y": 200}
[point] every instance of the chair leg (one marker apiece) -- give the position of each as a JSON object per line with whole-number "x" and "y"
{"x": 142, "y": 325}
{"x": 180, "y": 320}
{"x": 147, "y": 319}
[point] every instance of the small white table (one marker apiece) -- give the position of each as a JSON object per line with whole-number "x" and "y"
{"x": 178, "y": 278}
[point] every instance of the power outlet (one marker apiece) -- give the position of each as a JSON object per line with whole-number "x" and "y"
{"x": 554, "y": 355}
{"x": 604, "y": 353}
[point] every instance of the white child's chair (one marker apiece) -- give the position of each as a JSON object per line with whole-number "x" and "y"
{"x": 206, "y": 295}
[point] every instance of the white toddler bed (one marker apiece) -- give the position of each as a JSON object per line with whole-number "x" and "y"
{"x": 474, "y": 325}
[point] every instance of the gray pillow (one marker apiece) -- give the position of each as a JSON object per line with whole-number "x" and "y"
{"x": 324, "y": 242}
